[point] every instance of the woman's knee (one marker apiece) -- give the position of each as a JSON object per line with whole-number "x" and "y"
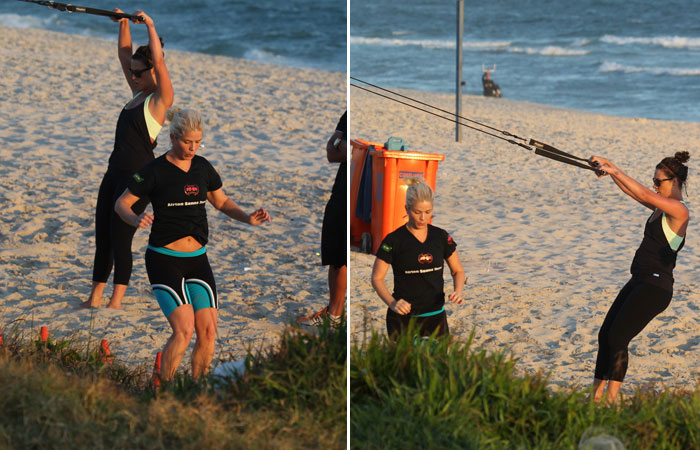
{"x": 617, "y": 341}
{"x": 207, "y": 333}
{"x": 205, "y": 324}
{"x": 183, "y": 334}
{"x": 182, "y": 322}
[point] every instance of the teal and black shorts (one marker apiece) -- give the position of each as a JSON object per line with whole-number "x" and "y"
{"x": 179, "y": 278}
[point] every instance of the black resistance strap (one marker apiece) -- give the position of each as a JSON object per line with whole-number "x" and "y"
{"x": 83, "y": 9}
{"x": 540, "y": 148}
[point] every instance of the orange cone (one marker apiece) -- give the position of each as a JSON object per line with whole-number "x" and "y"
{"x": 155, "y": 379}
{"x": 106, "y": 355}
{"x": 44, "y": 334}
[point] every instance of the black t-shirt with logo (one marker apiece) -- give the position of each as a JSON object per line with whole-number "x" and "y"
{"x": 179, "y": 198}
{"x": 418, "y": 266}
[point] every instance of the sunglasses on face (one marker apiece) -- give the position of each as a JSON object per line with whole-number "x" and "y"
{"x": 138, "y": 73}
{"x": 658, "y": 182}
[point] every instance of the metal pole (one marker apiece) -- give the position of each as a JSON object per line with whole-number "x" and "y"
{"x": 460, "y": 32}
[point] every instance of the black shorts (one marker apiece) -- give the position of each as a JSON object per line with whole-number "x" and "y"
{"x": 334, "y": 239}
{"x": 177, "y": 279}
{"x": 397, "y": 323}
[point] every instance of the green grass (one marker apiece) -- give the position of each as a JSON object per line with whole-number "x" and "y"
{"x": 62, "y": 394}
{"x": 442, "y": 394}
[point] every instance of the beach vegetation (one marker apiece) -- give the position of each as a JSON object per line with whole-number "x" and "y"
{"x": 439, "y": 393}
{"x": 65, "y": 393}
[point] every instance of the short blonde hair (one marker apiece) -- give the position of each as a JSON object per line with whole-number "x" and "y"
{"x": 183, "y": 121}
{"x": 418, "y": 191}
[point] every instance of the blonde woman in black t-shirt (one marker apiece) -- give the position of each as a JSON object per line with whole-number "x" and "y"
{"x": 416, "y": 253}
{"x": 178, "y": 185}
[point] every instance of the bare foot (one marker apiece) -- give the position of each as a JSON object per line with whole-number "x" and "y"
{"x": 91, "y": 303}
{"x": 95, "y": 298}
{"x": 612, "y": 401}
{"x": 115, "y": 302}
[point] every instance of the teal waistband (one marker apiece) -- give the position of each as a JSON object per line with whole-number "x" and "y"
{"x": 167, "y": 251}
{"x": 428, "y": 314}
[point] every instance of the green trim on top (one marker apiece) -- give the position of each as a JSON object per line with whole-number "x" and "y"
{"x": 428, "y": 314}
{"x": 167, "y": 251}
{"x": 151, "y": 123}
{"x": 674, "y": 241}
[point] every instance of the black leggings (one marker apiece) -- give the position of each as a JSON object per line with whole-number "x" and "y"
{"x": 113, "y": 236}
{"x": 334, "y": 234}
{"x": 636, "y": 304}
{"x": 397, "y": 324}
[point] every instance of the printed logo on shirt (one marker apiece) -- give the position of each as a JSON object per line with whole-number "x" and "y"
{"x": 191, "y": 189}
{"x": 449, "y": 240}
{"x": 425, "y": 258}
{"x": 137, "y": 178}
{"x": 386, "y": 247}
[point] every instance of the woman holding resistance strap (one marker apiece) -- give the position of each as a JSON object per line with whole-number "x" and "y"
{"x": 417, "y": 252}
{"x": 178, "y": 184}
{"x": 138, "y": 126}
{"x": 649, "y": 291}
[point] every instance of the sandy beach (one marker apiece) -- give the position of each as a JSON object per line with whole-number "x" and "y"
{"x": 265, "y": 132}
{"x": 546, "y": 246}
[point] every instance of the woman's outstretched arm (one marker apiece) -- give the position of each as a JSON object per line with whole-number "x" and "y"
{"x": 640, "y": 193}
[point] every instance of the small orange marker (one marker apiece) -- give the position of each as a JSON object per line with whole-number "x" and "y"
{"x": 155, "y": 379}
{"x": 44, "y": 334}
{"x": 106, "y": 354}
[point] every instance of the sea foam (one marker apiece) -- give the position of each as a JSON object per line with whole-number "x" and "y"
{"x": 20, "y": 21}
{"x": 662, "y": 41}
{"x": 611, "y": 66}
{"x": 428, "y": 43}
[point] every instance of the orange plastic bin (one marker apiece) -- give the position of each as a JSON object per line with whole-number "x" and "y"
{"x": 390, "y": 169}
{"x": 358, "y": 227}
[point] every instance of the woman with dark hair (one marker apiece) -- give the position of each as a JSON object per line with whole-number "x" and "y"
{"x": 649, "y": 291}
{"x": 138, "y": 126}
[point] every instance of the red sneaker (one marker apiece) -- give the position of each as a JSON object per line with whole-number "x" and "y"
{"x": 315, "y": 319}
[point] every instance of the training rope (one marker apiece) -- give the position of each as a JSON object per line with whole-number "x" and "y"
{"x": 539, "y": 148}
{"x": 82, "y": 9}
{"x": 503, "y": 132}
{"x": 443, "y": 117}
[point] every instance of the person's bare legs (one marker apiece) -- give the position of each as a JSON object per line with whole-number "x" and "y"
{"x": 611, "y": 393}
{"x": 115, "y": 302}
{"x": 598, "y": 389}
{"x": 182, "y": 322}
{"x": 205, "y": 327}
{"x": 613, "y": 389}
{"x": 96, "y": 292}
{"x": 95, "y": 298}
{"x": 337, "y": 285}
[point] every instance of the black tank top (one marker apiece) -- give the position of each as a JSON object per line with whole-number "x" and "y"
{"x": 655, "y": 259}
{"x": 133, "y": 148}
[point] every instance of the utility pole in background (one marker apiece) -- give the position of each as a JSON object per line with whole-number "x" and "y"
{"x": 460, "y": 32}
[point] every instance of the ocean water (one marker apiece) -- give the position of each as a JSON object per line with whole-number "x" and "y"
{"x": 305, "y": 33}
{"x": 635, "y": 58}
